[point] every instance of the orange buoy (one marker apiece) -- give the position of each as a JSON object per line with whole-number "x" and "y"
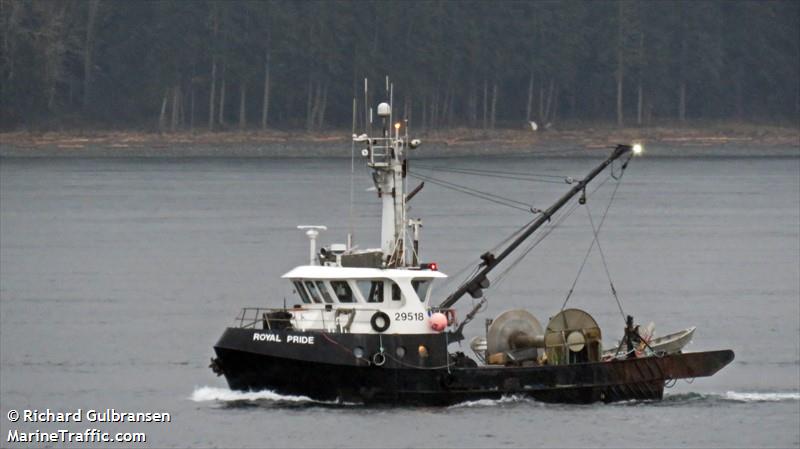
{"x": 438, "y": 321}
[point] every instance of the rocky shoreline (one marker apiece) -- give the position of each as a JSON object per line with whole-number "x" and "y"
{"x": 729, "y": 139}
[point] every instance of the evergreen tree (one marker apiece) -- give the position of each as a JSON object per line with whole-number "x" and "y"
{"x": 171, "y": 65}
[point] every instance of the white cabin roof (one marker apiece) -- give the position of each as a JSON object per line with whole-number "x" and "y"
{"x": 332, "y": 272}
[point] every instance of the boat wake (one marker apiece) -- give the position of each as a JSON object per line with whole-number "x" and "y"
{"x": 761, "y": 397}
{"x": 730, "y": 397}
{"x": 503, "y": 401}
{"x": 233, "y": 398}
{"x": 227, "y": 396}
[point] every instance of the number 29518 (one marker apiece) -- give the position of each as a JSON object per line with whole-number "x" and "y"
{"x": 409, "y": 316}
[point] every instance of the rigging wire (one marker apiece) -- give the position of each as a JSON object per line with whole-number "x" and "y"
{"x": 493, "y": 249}
{"x": 533, "y": 177}
{"x": 555, "y": 222}
{"x": 596, "y": 231}
{"x": 561, "y": 217}
{"x": 461, "y": 271}
{"x": 483, "y": 170}
{"x": 482, "y": 195}
{"x": 571, "y": 151}
{"x": 497, "y": 199}
{"x": 596, "y": 240}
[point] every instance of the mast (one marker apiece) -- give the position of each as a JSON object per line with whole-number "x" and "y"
{"x": 475, "y": 285}
{"x": 386, "y": 156}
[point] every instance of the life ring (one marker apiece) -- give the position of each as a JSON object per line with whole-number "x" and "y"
{"x": 380, "y": 321}
{"x": 378, "y": 359}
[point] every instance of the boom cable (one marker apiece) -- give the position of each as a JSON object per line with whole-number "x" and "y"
{"x": 596, "y": 240}
{"x": 561, "y": 217}
{"x": 497, "y": 199}
{"x": 533, "y": 177}
{"x": 477, "y": 267}
{"x": 555, "y": 222}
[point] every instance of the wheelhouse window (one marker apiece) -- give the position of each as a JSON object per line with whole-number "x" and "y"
{"x": 397, "y": 295}
{"x": 312, "y": 290}
{"x": 324, "y": 291}
{"x": 298, "y": 287}
{"x": 371, "y": 290}
{"x": 343, "y": 291}
{"x": 421, "y": 286}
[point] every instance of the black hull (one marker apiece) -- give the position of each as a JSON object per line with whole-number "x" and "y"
{"x": 327, "y": 371}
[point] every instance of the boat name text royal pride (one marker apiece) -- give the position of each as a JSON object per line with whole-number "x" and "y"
{"x": 275, "y": 338}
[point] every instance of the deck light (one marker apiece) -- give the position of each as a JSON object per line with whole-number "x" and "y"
{"x": 637, "y": 149}
{"x": 397, "y": 125}
{"x": 433, "y": 266}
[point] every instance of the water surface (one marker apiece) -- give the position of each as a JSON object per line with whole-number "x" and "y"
{"x": 118, "y": 275}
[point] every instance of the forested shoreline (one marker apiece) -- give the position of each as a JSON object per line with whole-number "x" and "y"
{"x": 211, "y": 66}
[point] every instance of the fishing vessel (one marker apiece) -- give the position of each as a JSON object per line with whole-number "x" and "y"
{"x": 368, "y": 325}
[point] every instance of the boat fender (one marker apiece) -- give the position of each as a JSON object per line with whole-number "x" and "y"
{"x": 378, "y": 359}
{"x": 380, "y": 321}
{"x": 438, "y": 321}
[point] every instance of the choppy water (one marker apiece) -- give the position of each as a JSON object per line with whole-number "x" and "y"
{"x": 118, "y": 275}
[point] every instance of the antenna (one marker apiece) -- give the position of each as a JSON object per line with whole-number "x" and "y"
{"x": 391, "y": 103}
{"x": 352, "y": 175}
{"x": 367, "y": 110}
{"x": 386, "y": 156}
{"x": 312, "y": 232}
